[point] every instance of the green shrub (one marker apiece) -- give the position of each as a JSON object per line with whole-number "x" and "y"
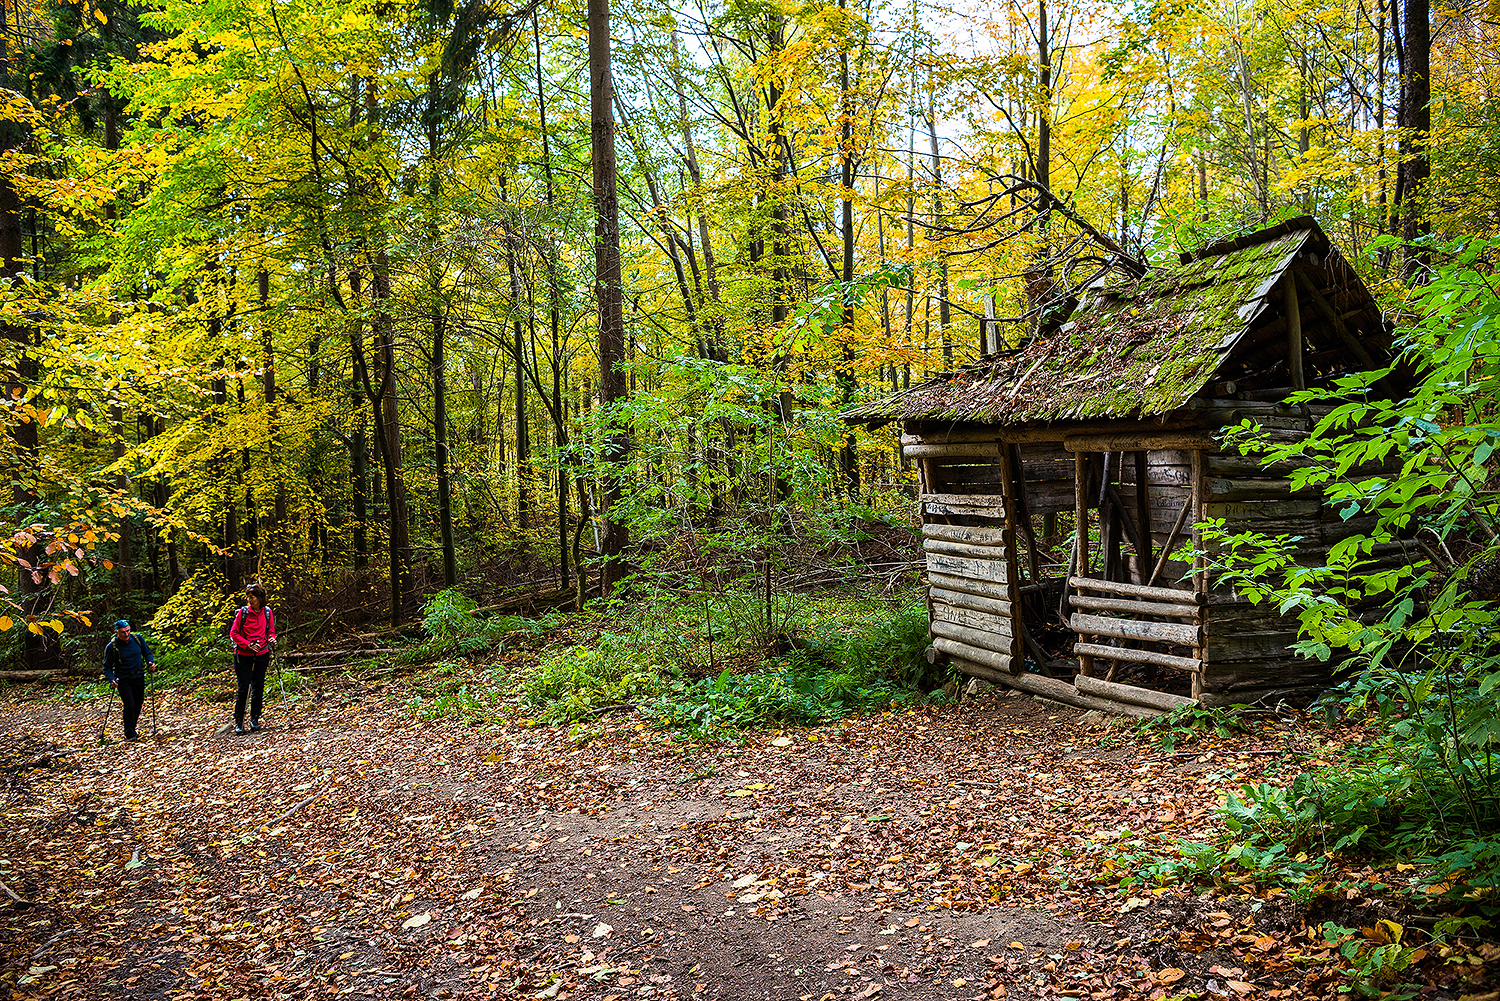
{"x": 1418, "y": 635}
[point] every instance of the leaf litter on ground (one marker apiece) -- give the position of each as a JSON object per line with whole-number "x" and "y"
{"x": 358, "y": 851}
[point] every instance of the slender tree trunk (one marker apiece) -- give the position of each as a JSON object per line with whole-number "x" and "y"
{"x": 1416, "y": 123}
{"x": 389, "y": 436}
{"x": 31, "y": 591}
{"x": 611, "y": 318}
{"x": 848, "y": 448}
{"x": 554, "y": 324}
{"x": 944, "y": 309}
{"x": 439, "y": 339}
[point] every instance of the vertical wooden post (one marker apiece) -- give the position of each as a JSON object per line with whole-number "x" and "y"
{"x": 1081, "y": 535}
{"x": 1200, "y": 571}
{"x": 1081, "y": 512}
{"x": 1010, "y": 517}
{"x": 1293, "y": 330}
{"x": 1145, "y": 561}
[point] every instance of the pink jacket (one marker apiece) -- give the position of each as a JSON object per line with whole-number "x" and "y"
{"x": 252, "y": 633}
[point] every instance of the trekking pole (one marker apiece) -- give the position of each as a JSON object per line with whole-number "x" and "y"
{"x": 155, "y": 730}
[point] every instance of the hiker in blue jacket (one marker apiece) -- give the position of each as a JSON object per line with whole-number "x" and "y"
{"x": 126, "y": 659}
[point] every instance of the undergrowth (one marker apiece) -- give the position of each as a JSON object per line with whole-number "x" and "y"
{"x": 697, "y": 674}
{"x": 694, "y": 665}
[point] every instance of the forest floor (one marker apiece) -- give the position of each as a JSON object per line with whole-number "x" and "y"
{"x": 961, "y": 851}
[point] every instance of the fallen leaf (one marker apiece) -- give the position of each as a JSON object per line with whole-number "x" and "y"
{"x": 601, "y": 929}
{"x": 782, "y": 742}
{"x": 1170, "y": 975}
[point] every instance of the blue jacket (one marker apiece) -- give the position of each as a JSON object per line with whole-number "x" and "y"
{"x": 128, "y": 660}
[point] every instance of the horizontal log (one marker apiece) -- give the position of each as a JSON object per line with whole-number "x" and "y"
{"x": 1193, "y": 612}
{"x": 968, "y": 534}
{"x": 941, "y": 450}
{"x": 1045, "y": 470}
{"x": 1052, "y": 434}
{"x": 1164, "y": 701}
{"x": 1263, "y": 510}
{"x": 970, "y": 500}
{"x": 1138, "y": 656}
{"x": 1138, "y": 441}
{"x": 1256, "y": 406}
{"x": 1135, "y": 629}
{"x": 981, "y": 639}
{"x": 967, "y": 585}
{"x": 1000, "y": 663}
{"x": 1061, "y": 691}
{"x": 965, "y": 477}
{"x": 947, "y": 433}
{"x": 1049, "y": 497}
{"x": 955, "y": 566}
{"x": 982, "y": 620}
{"x": 973, "y": 602}
{"x": 1170, "y": 595}
{"x": 1265, "y": 421}
{"x": 1243, "y": 646}
{"x": 1223, "y": 488}
{"x": 963, "y": 549}
{"x": 982, "y": 505}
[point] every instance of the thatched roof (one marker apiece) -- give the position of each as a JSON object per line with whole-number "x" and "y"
{"x": 1136, "y": 347}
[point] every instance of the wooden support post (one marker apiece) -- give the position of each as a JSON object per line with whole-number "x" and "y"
{"x": 1081, "y": 535}
{"x": 1016, "y": 477}
{"x": 1200, "y": 571}
{"x": 1293, "y": 331}
{"x": 1142, "y": 517}
{"x": 1010, "y": 482}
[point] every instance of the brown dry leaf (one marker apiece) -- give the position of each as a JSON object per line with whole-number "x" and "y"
{"x": 1170, "y": 975}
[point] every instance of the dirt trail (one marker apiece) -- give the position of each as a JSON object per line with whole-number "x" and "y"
{"x": 351, "y": 851}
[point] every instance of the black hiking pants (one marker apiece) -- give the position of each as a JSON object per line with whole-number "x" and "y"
{"x": 133, "y": 695}
{"x": 250, "y": 673}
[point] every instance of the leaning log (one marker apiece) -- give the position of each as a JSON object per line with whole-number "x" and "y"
{"x": 1165, "y": 701}
{"x": 1057, "y": 691}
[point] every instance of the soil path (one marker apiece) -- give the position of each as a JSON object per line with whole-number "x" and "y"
{"x": 353, "y": 851}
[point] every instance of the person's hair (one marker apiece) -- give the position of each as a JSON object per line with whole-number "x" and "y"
{"x": 255, "y": 590}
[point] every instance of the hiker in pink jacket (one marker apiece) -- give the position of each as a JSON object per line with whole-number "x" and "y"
{"x": 253, "y": 635}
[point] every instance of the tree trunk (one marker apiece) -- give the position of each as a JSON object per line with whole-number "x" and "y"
{"x": 848, "y": 449}
{"x": 611, "y": 317}
{"x": 554, "y": 323}
{"x": 439, "y": 337}
{"x": 1415, "y": 120}
{"x": 389, "y": 437}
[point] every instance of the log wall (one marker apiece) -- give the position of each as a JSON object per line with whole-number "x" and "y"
{"x": 970, "y": 552}
{"x": 1246, "y": 647}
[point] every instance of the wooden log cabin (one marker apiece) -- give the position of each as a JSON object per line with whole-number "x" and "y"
{"x": 1113, "y": 420}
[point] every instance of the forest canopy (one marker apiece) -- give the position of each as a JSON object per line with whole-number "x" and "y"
{"x": 308, "y": 292}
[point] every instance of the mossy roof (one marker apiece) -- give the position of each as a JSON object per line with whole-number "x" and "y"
{"x": 1133, "y": 347}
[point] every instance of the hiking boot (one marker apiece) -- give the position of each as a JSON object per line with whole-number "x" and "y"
{"x": 239, "y": 727}
{"x": 255, "y": 726}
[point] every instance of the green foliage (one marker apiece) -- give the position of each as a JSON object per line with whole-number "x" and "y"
{"x": 448, "y": 615}
{"x": 1186, "y": 724}
{"x": 476, "y": 698}
{"x": 452, "y": 628}
{"x": 835, "y": 657}
{"x": 1420, "y": 636}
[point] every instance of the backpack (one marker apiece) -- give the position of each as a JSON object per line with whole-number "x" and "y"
{"x": 112, "y": 650}
{"x": 265, "y": 618}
